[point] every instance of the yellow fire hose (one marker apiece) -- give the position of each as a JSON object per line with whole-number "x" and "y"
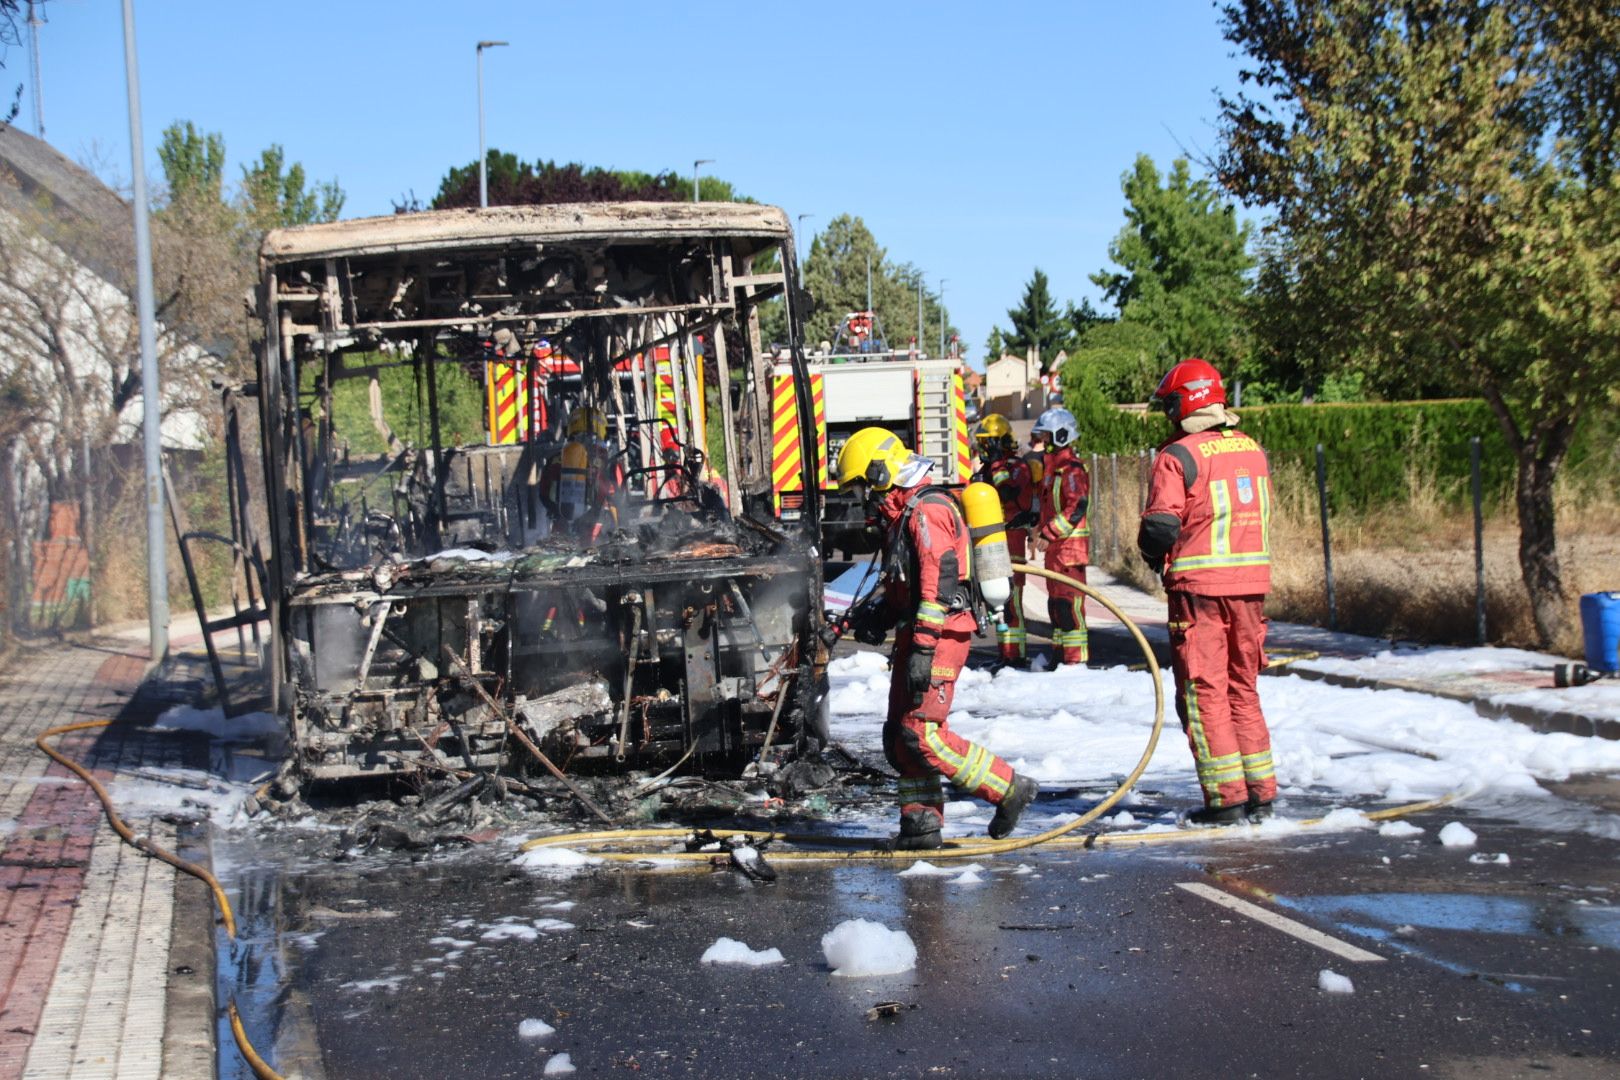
{"x": 249, "y": 1054}
{"x": 600, "y": 843}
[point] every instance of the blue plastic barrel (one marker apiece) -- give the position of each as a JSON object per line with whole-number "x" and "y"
{"x": 1600, "y": 623}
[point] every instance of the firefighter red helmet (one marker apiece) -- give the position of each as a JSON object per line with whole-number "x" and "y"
{"x": 1189, "y": 386}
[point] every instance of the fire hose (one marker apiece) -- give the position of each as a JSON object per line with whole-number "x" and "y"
{"x": 602, "y": 844}
{"x": 260, "y": 1069}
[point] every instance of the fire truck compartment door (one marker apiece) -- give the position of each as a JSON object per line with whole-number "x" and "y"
{"x": 854, "y": 393}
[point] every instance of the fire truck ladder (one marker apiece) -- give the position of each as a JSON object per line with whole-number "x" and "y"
{"x": 936, "y": 420}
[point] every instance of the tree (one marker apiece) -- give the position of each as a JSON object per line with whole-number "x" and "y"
{"x": 1184, "y": 260}
{"x": 1442, "y": 171}
{"x": 1036, "y": 322}
{"x": 193, "y": 163}
{"x": 9, "y": 36}
{"x": 1120, "y": 360}
{"x": 513, "y": 182}
{"x": 275, "y": 194}
{"x": 835, "y": 275}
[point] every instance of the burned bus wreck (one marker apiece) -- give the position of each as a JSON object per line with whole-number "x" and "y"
{"x": 520, "y": 492}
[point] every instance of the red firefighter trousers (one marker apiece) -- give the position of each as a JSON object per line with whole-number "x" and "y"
{"x": 1066, "y": 605}
{"x": 917, "y": 741}
{"x": 1218, "y": 646}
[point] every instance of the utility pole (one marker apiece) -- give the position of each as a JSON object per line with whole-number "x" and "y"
{"x": 483, "y": 171}
{"x": 34, "y": 23}
{"x": 157, "y": 570}
{"x": 919, "y": 314}
{"x": 942, "y": 282}
{"x": 869, "y": 284}
{"x": 695, "y": 164}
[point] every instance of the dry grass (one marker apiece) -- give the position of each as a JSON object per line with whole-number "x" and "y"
{"x": 1405, "y": 570}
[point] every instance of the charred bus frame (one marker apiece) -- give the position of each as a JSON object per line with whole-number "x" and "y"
{"x": 415, "y": 592}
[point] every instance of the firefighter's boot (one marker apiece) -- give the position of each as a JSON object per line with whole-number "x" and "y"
{"x": 1020, "y": 793}
{"x": 1219, "y": 815}
{"x": 1258, "y": 811}
{"x": 919, "y": 830}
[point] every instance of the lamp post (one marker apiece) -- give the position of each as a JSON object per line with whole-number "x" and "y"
{"x": 695, "y": 164}
{"x": 919, "y": 314}
{"x": 157, "y": 571}
{"x": 942, "y": 282}
{"x": 483, "y": 171}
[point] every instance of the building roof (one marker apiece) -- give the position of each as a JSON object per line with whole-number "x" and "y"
{"x": 85, "y": 212}
{"x": 498, "y": 226}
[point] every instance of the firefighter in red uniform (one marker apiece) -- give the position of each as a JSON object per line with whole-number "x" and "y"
{"x": 927, "y": 592}
{"x": 1205, "y": 530}
{"x": 583, "y": 486}
{"x": 1002, "y": 468}
{"x": 1065, "y": 492}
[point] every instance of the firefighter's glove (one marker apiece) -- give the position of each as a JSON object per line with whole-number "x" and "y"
{"x": 919, "y": 673}
{"x": 1027, "y": 519}
{"x": 1155, "y": 563}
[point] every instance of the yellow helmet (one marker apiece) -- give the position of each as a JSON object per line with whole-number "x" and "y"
{"x": 994, "y": 433}
{"x": 588, "y": 420}
{"x": 873, "y": 455}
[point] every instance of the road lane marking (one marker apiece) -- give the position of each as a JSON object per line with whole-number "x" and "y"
{"x": 1277, "y": 922}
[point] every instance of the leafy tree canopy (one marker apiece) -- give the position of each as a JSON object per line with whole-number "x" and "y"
{"x": 1119, "y": 360}
{"x": 193, "y": 162}
{"x": 835, "y": 275}
{"x": 1183, "y": 259}
{"x": 276, "y": 194}
{"x": 514, "y": 182}
{"x": 1443, "y": 175}
{"x": 1037, "y": 323}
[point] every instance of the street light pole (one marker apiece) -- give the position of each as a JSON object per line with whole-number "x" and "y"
{"x": 157, "y": 569}
{"x": 919, "y": 314}
{"x": 483, "y": 171}
{"x": 695, "y": 164}
{"x": 942, "y": 282}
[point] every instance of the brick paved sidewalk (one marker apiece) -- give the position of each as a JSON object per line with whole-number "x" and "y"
{"x": 86, "y": 922}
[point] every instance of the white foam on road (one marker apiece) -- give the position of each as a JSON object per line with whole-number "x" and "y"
{"x": 1456, "y": 834}
{"x": 1331, "y": 982}
{"x": 859, "y": 947}
{"x": 730, "y": 951}
{"x": 1079, "y": 726}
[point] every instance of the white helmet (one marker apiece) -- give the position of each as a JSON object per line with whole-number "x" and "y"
{"x": 1058, "y": 425}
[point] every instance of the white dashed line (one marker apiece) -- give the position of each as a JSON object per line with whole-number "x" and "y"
{"x": 1277, "y": 922}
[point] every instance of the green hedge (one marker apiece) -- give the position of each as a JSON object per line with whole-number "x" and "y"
{"x": 1375, "y": 452}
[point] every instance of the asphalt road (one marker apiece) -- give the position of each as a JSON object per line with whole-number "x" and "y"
{"x": 1092, "y": 963}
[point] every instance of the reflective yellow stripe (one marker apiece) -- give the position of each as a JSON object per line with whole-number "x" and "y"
{"x": 931, "y": 613}
{"x": 1065, "y": 529}
{"x": 952, "y": 760}
{"x": 979, "y": 762}
{"x": 1265, "y": 514}
{"x": 1204, "y": 562}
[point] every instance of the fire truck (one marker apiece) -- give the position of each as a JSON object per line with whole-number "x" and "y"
{"x": 856, "y": 381}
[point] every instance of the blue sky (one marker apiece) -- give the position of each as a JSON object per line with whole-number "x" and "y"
{"x": 977, "y": 140}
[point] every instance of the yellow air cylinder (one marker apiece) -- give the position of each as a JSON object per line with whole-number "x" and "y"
{"x": 573, "y": 487}
{"x": 992, "y": 563}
